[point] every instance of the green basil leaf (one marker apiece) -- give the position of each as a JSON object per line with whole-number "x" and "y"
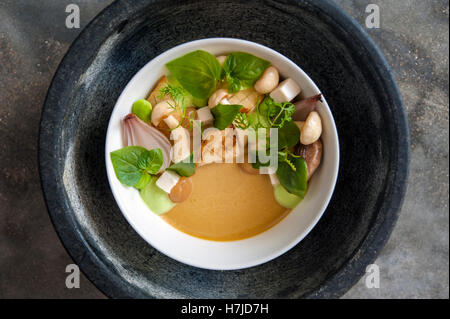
{"x": 295, "y": 182}
{"x": 288, "y": 135}
{"x": 234, "y": 84}
{"x": 224, "y": 115}
{"x": 145, "y": 179}
{"x": 198, "y": 72}
{"x": 243, "y": 69}
{"x": 132, "y": 164}
{"x": 125, "y": 163}
{"x": 154, "y": 161}
{"x": 184, "y": 168}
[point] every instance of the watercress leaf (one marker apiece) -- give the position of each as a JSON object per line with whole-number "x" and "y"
{"x": 268, "y": 107}
{"x": 288, "y": 135}
{"x": 244, "y": 67}
{"x": 198, "y": 73}
{"x": 184, "y": 168}
{"x": 125, "y": 163}
{"x": 277, "y": 114}
{"x": 224, "y": 115}
{"x": 295, "y": 182}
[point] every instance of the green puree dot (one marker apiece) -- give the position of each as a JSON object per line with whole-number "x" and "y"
{"x": 284, "y": 198}
{"x": 155, "y": 198}
{"x": 142, "y": 109}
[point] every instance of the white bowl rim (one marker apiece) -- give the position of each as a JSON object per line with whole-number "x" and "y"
{"x": 275, "y": 253}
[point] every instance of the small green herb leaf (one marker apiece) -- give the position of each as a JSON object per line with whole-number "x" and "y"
{"x": 295, "y": 182}
{"x": 198, "y": 72}
{"x": 151, "y": 161}
{"x": 184, "y": 168}
{"x": 276, "y": 114}
{"x": 224, "y": 115}
{"x": 288, "y": 135}
{"x": 243, "y": 70}
{"x": 145, "y": 179}
{"x": 177, "y": 93}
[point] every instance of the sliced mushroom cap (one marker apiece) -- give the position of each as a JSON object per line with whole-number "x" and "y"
{"x": 217, "y": 97}
{"x": 247, "y": 98}
{"x": 312, "y": 154}
{"x": 161, "y": 111}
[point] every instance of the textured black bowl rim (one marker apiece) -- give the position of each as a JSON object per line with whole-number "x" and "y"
{"x": 109, "y": 282}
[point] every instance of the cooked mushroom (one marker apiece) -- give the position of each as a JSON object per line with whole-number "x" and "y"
{"x": 165, "y": 111}
{"x": 247, "y": 98}
{"x": 218, "y": 97}
{"x": 312, "y": 154}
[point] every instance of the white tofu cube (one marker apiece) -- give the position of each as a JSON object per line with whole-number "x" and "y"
{"x": 167, "y": 181}
{"x": 171, "y": 122}
{"x": 205, "y": 116}
{"x": 286, "y": 91}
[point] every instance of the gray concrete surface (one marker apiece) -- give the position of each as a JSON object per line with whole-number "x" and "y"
{"x": 414, "y": 36}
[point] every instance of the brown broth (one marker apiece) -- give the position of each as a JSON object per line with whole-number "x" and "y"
{"x": 227, "y": 204}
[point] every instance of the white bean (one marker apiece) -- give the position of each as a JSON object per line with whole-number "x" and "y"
{"x": 312, "y": 129}
{"x": 268, "y": 81}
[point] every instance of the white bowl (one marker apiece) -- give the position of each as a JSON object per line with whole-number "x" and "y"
{"x": 231, "y": 254}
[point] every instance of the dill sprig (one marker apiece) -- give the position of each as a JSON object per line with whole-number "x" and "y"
{"x": 177, "y": 93}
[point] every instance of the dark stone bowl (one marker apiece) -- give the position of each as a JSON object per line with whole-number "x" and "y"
{"x": 335, "y": 52}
